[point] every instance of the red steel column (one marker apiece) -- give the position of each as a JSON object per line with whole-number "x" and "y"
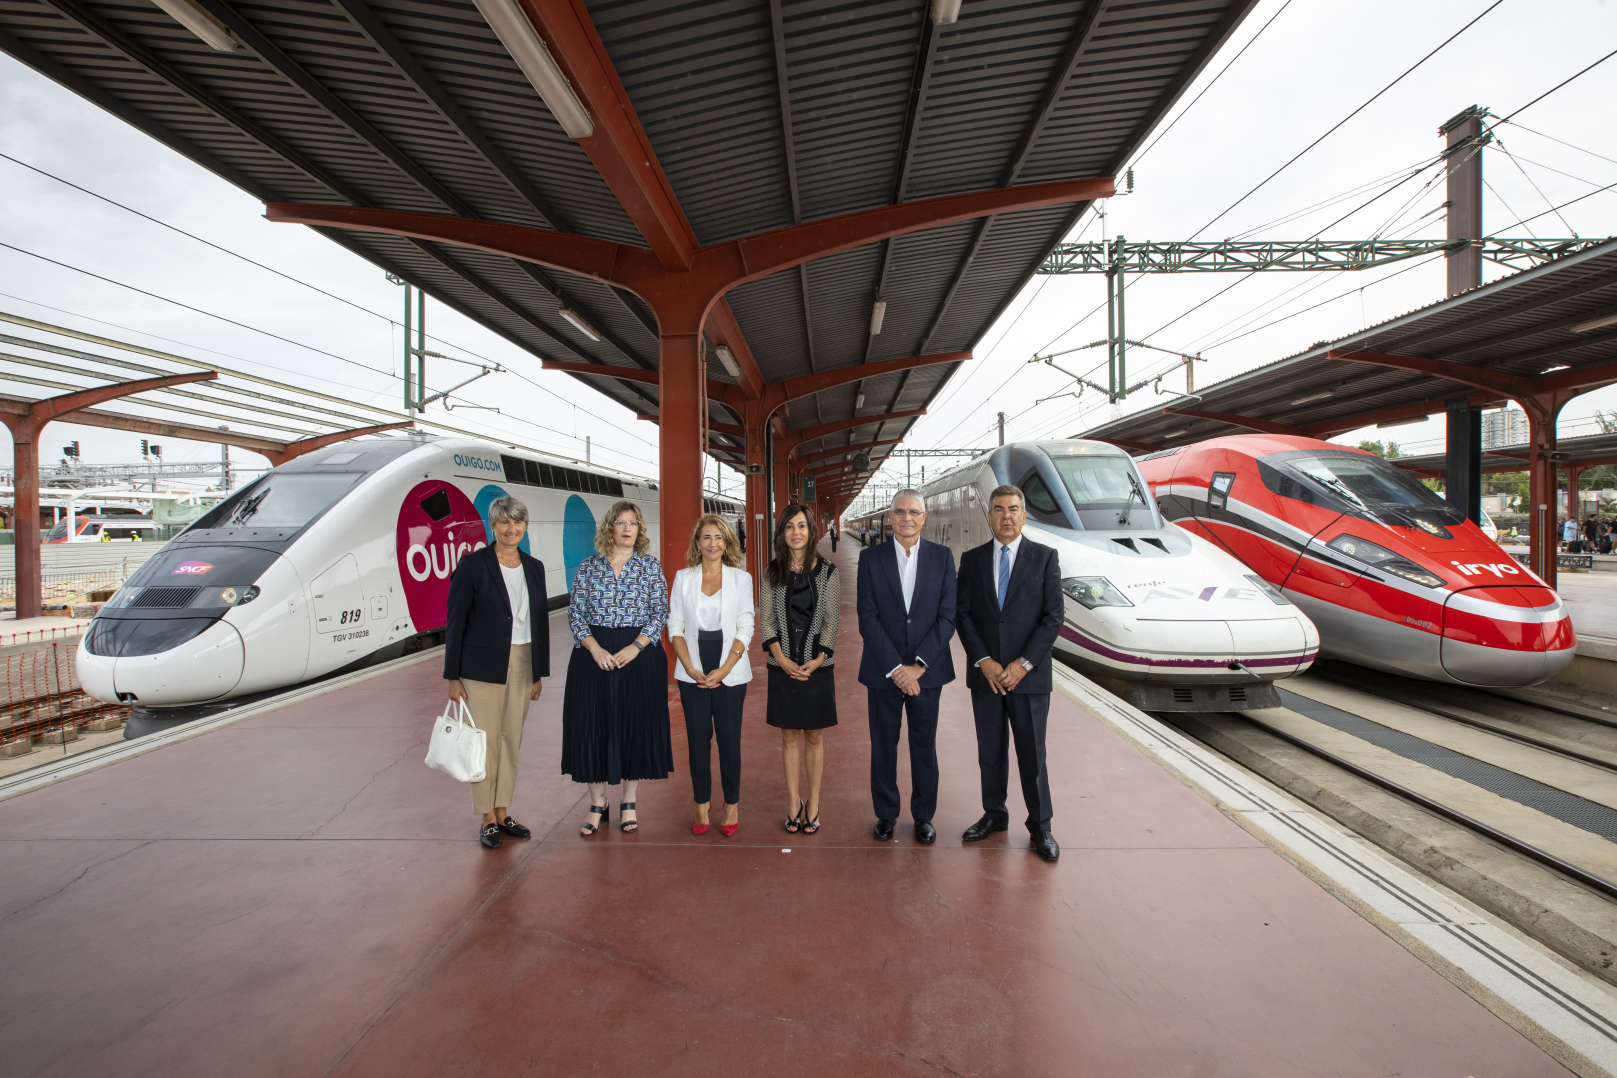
{"x": 680, "y": 397}
{"x": 1541, "y": 483}
{"x": 757, "y": 506}
{"x": 25, "y": 517}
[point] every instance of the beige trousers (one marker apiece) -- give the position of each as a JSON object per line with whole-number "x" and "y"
{"x": 499, "y": 711}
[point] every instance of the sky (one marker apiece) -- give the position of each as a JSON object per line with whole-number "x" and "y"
{"x": 1307, "y": 65}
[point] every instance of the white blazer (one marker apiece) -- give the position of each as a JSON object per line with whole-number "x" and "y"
{"x": 735, "y": 620}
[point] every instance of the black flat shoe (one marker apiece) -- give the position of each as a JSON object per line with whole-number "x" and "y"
{"x": 1044, "y": 844}
{"x": 925, "y": 833}
{"x": 514, "y": 829}
{"x": 983, "y": 828}
{"x": 490, "y": 836}
{"x": 884, "y": 830}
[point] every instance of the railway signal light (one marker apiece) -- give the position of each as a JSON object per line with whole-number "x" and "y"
{"x": 145, "y": 448}
{"x": 157, "y": 451}
{"x": 71, "y": 450}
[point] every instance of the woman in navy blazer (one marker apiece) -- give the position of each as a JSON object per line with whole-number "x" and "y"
{"x": 496, "y": 648}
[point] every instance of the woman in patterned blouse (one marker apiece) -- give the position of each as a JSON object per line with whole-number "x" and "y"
{"x": 614, "y": 719}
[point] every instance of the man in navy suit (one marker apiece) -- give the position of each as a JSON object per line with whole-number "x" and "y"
{"x": 1010, "y": 616}
{"x": 906, "y": 616}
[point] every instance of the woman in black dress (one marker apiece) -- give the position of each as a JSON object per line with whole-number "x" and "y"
{"x": 614, "y": 715}
{"x": 797, "y": 615}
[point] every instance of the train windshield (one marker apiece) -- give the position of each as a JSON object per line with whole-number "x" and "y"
{"x": 1099, "y": 481}
{"x": 1376, "y": 488}
{"x": 280, "y": 501}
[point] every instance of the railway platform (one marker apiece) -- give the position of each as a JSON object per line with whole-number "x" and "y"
{"x": 294, "y": 893}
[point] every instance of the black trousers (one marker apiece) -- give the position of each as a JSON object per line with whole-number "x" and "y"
{"x": 1000, "y": 720}
{"x": 888, "y": 707}
{"x": 709, "y": 712}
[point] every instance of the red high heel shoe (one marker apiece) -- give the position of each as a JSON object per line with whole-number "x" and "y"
{"x": 729, "y": 829}
{"x": 698, "y": 828}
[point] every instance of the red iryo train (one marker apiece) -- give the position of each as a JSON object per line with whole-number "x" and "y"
{"x": 1394, "y": 577}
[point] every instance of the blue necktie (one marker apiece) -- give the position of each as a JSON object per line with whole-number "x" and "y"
{"x": 1004, "y": 573}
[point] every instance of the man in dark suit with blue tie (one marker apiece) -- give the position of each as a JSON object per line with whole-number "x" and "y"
{"x": 906, "y": 602}
{"x": 1010, "y": 616}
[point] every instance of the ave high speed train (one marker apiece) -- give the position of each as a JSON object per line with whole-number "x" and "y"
{"x": 1395, "y": 577}
{"x": 1165, "y": 619}
{"x": 333, "y": 561}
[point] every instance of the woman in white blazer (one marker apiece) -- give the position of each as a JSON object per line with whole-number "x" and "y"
{"x": 710, "y": 617}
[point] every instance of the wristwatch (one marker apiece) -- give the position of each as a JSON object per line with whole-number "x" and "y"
{"x": 641, "y": 647}
{"x": 1026, "y": 665}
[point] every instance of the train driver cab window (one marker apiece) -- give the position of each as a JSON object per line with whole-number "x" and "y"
{"x": 281, "y": 501}
{"x": 1041, "y": 504}
{"x": 1218, "y": 491}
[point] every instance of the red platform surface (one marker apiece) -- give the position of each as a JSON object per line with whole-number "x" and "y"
{"x": 297, "y": 895}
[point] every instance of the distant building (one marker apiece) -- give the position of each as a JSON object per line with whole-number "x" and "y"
{"x": 1507, "y": 426}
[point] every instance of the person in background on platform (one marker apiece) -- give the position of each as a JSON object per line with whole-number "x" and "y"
{"x": 710, "y": 625}
{"x": 1010, "y": 616}
{"x": 741, "y": 532}
{"x": 1569, "y": 531}
{"x": 496, "y": 648}
{"x": 1591, "y": 534}
{"x": 614, "y": 716}
{"x": 834, "y": 533}
{"x": 906, "y": 600}
{"x": 798, "y": 615}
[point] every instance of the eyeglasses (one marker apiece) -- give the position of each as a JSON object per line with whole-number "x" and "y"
{"x": 626, "y": 524}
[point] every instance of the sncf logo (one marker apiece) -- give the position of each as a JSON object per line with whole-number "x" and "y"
{"x": 1498, "y": 569}
{"x": 190, "y": 568}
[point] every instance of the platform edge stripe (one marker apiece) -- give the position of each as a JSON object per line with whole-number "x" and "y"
{"x": 1569, "y": 1017}
{"x": 50, "y": 774}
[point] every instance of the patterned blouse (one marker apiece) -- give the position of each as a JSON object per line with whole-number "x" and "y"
{"x": 638, "y": 597}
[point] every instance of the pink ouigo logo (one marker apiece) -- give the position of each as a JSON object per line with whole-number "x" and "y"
{"x": 191, "y": 568}
{"x": 438, "y": 525}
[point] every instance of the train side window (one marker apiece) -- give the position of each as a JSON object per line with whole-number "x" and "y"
{"x": 514, "y": 471}
{"x": 533, "y": 472}
{"x": 1041, "y": 504}
{"x": 572, "y": 480}
{"x": 436, "y": 505}
{"x": 1218, "y": 491}
{"x": 545, "y": 478}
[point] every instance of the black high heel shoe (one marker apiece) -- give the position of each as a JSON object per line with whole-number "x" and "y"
{"x": 811, "y": 826}
{"x": 794, "y": 822}
{"x": 628, "y": 827}
{"x": 592, "y": 826}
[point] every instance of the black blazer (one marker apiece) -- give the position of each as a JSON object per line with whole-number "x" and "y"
{"x": 1028, "y": 626}
{"x": 477, "y": 642}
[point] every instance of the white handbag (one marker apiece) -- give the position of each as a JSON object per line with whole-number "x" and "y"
{"x": 458, "y": 748}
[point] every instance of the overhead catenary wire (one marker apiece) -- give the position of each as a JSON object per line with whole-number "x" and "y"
{"x": 1337, "y": 126}
{"x": 392, "y": 322}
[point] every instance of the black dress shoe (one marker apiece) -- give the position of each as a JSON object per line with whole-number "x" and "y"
{"x": 1044, "y": 844}
{"x": 884, "y": 830}
{"x": 491, "y": 836}
{"x": 925, "y": 833}
{"x": 983, "y": 828}
{"x": 514, "y": 829}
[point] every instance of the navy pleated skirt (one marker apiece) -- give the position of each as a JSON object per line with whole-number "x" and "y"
{"x": 614, "y": 723}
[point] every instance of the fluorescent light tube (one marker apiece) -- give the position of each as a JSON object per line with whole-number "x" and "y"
{"x": 1321, "y": 395}
{"x": 200, "y": 23}
{"x": 1596, "y": 323}
{"x": 728, "y": 359}
{"x": 579, "y": 324}
{"x": 878, "y": 311}
{"x": 945, "y": 12}
{"x": 859, "y": 402}
{"x": 510, "y": 24}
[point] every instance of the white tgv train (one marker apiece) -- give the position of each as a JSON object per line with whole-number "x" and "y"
{"x": 334, "y": 561}
{"x": 1160, "y": 617}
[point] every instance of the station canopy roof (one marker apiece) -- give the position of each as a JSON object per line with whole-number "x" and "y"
{"x": 1549, "y": 329}
{"x": 1587, "y": 452}
{"x": 752, "y": 116}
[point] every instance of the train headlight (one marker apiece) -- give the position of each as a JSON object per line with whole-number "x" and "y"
{"x": 1093, "y": 591}
{"x": 1379, "y": 557}
{"x": 1268, "y": 589}
{"x": 229, "y": 595}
